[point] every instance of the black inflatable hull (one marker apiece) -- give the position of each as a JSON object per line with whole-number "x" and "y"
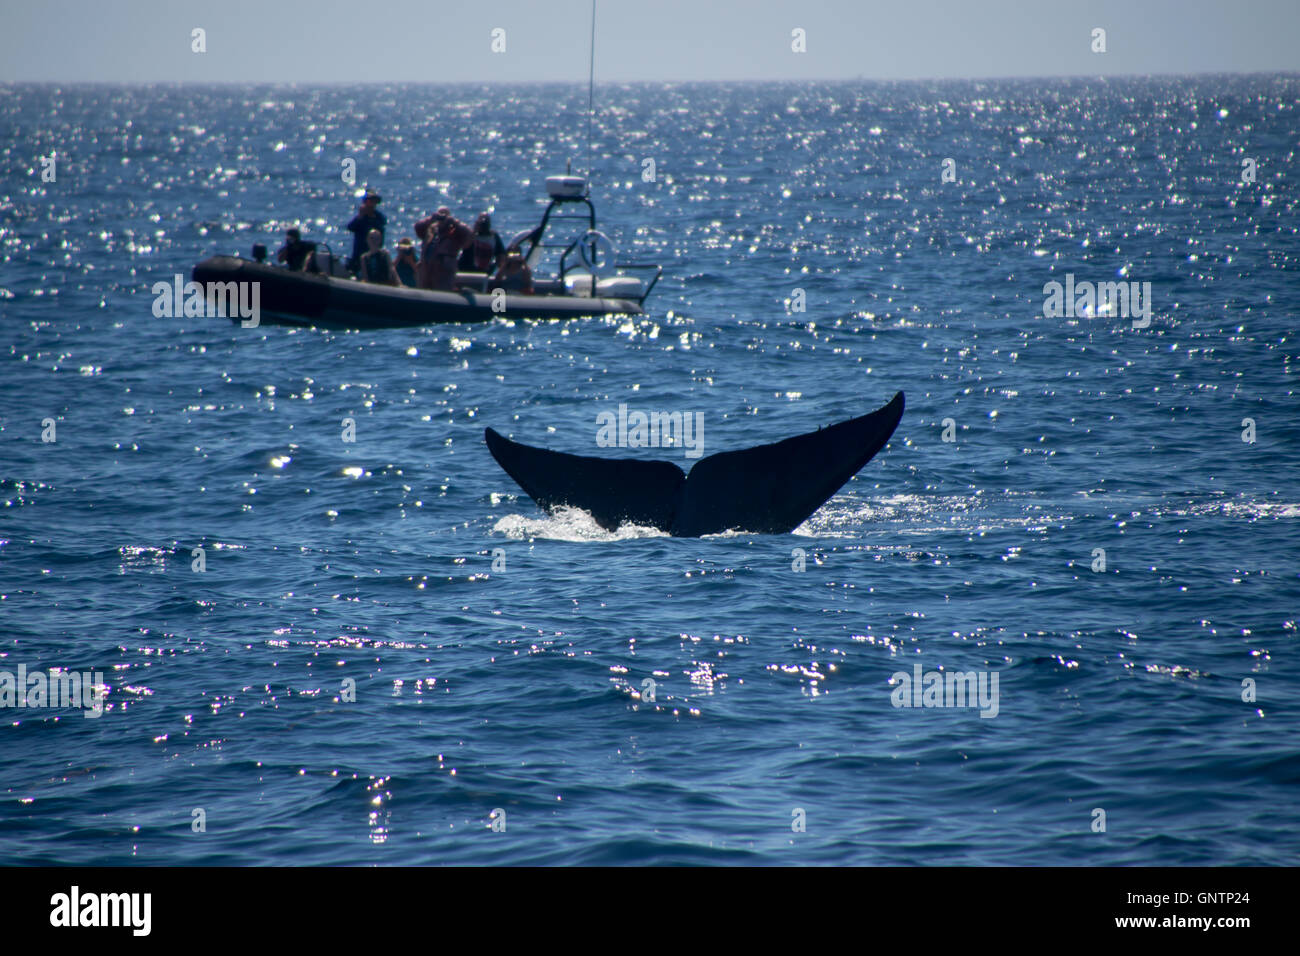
{"x": 306, "y": 299}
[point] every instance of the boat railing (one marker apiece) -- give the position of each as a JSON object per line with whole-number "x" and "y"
{"x": 617, "y": 265}
{"x": 658, "y": 272}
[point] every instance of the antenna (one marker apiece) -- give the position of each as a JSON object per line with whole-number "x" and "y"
{"x": 591, "y": 88}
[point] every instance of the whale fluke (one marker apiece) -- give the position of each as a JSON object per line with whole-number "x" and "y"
{"x": 767, "y": 489}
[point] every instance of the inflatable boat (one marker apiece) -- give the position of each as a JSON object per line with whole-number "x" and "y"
{"x": 589, "y": 280}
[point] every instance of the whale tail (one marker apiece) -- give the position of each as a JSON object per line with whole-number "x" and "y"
{"x": 767, "y": 489}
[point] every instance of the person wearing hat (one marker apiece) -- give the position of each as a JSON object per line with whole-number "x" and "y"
{"x": 514, "y": 274}
{"x": 444, "y": 237}
{"x": 368, "y": 217}
{"x": 406, "y": 266}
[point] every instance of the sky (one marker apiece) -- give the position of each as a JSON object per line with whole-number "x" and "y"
{"x": 436, "y": 41}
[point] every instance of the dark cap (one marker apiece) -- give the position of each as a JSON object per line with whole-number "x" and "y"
{"x": 371, "y": 194}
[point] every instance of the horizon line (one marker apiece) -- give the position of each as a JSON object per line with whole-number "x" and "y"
{"x": 751, "y": 81}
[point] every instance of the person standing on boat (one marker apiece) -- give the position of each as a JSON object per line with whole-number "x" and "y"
{"x": 377, "y": 264}
{"x": 485, "y": 253}
{"x": 368, "y": 217}
{"x": 406, "y": 267}
{"x": 444, "y": 237}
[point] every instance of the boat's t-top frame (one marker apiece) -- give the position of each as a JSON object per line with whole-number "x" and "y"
{"x": 594, "y": 250}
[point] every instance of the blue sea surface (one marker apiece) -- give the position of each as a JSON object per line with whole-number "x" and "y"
{"x": 500, "y": 655}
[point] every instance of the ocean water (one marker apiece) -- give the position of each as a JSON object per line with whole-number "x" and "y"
{"x": 500, "y": 655}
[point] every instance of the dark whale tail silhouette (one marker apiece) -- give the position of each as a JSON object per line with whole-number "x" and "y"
{"x": 768, "y": 489}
